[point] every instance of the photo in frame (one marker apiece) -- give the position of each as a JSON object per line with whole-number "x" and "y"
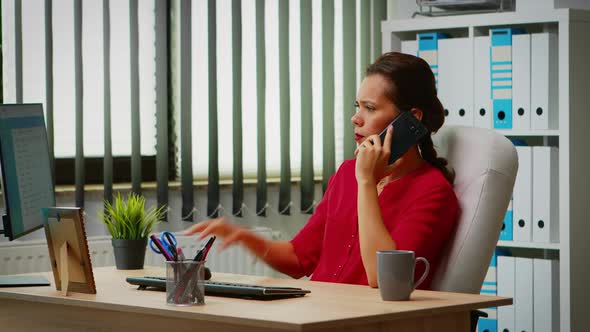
{"x": 68, "y": 250}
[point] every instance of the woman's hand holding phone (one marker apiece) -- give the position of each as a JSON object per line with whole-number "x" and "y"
{"x": 372, "y": 158}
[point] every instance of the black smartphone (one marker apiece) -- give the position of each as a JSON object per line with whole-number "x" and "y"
{"x": 407, "y": 131}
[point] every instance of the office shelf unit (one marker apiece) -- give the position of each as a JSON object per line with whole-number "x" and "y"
{"x": 539, "y": 133}
{"x": 573, "y": 29}
{"x": 528, "y": 245}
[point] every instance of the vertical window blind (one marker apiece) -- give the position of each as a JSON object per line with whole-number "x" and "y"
{"x": 259, "y": 91}
{"x": 98, "y": 89}
{"x": 283, "y": 71}
{"x": 106, "y": 79}
{"x": 162, "y": 56}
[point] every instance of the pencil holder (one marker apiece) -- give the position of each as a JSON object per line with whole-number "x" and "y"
{"x": 184, "y": 283}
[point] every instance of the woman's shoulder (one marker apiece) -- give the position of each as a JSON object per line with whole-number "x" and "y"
{"x": 348, "y": 163}
{"x": 343, "y": 174}
{"x": 347, "y": 166}
{"x": 428, "y": 176}
{"x": 428, "y": 184}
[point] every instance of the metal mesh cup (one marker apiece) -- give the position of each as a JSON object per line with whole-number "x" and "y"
{"x": 184, "y": 283}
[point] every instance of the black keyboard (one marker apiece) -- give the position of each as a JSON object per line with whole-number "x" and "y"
{"x": 226, "y": 289}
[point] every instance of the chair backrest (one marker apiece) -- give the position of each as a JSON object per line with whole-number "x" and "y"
{"x": 485, "y": 164}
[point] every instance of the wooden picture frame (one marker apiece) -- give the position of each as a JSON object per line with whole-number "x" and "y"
{"x": 68, "y": 249}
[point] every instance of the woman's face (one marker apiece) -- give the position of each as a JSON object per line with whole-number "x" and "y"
{"x": 374, "y": 111}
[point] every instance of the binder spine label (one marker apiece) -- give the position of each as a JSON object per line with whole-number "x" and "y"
{"x": 501, "y": 77}
{"x": 428, "y": 50}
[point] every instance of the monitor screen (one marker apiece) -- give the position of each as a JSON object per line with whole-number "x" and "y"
{"x": 27, "y": 181}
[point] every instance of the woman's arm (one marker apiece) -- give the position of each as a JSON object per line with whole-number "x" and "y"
{"x": 280, "y": 255}
{"x": 371, "y": 165}
{"x": 373, "y": 236}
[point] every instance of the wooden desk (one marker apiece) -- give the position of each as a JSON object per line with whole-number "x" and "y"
{"x": 118, "y": 306}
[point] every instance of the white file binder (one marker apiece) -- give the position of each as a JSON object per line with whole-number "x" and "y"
{"x": 482, "y": 98}
{"x": 455, "y": 80}
{"x": 409, "y": 47}
{"x": 507, "y": 232}
{"x": 546, "y": 295}
{"x": 506, "y": 284}
{"x": 445, "y": 77}
{"x": 521, "y": 81}
{"x": 523, "y": 294}
{"x": 522, "y": 195}
{"x": 545, "y": 194}
{"x": 544, "y": 97}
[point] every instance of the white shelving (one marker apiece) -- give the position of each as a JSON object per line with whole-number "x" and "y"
{"x": 573, "y": 30}
{"x": 542, "y": 133}
{"x": 528, "y": 245}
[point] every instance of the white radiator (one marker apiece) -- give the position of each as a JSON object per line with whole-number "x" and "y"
{"x": 33, "y": 256}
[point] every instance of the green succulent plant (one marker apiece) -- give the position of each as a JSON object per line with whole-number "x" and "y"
{"x": 128, "y": 219}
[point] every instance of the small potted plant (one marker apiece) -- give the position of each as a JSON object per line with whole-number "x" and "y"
{"x": 130, "y": 224}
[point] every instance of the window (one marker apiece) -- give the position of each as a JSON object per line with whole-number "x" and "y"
{"x": 39, "y": 64}
{"x": 34, "y": 72}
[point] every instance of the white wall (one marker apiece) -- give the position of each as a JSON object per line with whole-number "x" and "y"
{"x": 400, "y": 9}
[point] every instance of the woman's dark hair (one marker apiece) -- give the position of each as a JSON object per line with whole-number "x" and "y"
{"x": 413, "y": 86}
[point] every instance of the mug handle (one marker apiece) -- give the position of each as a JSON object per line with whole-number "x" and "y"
{"x": 425, "y": 271}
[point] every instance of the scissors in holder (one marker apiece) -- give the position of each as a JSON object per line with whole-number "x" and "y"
{"x": 165, "y": 245}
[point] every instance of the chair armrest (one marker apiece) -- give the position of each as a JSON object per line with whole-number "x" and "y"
{"x": 475, "y": 314}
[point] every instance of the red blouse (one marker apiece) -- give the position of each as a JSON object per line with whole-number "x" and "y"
{"x": 419, "y": 211}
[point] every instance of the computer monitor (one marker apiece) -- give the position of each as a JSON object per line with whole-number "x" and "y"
{"x": 26, "y": 175}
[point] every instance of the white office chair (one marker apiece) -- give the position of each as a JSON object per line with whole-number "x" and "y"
{"x": 485, "y": 164}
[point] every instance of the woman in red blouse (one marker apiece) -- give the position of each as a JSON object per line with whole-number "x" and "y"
{"x": 368, "y": 205}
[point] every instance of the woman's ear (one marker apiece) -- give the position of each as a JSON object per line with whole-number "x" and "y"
{"x": 417, "y": 113}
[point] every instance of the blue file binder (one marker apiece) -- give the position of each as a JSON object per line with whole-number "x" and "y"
{"x": 501, "y": 75}
{"x": 428, "y": 50}
{"x": 487, "y": 325}
{"x": 490, "y": 287}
